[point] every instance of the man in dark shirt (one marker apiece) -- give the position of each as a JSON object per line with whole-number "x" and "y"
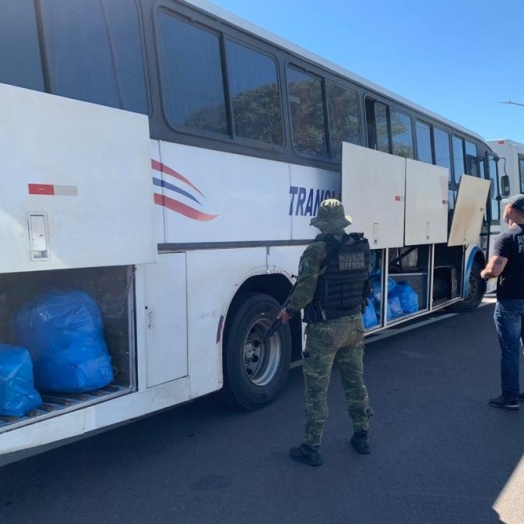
{"x": 507, "y": 264}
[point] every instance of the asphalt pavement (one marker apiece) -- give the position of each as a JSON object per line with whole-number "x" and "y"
{"x": 440, "y": 454}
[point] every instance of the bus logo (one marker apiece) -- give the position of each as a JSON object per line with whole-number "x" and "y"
{"x": 304, "y": 201}
{"x": 188, "y": 191}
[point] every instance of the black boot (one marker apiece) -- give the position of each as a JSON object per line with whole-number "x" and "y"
{"x": 307, "y": 455}
{"x": 360, "y": 441}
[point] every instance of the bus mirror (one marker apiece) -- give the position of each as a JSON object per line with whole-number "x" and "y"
{"x": 504, "y": 186}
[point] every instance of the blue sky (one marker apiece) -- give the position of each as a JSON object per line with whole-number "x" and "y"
{"x": 458, "y": 58}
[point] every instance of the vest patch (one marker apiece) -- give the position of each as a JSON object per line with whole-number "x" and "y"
{"x": 351, "y": 261}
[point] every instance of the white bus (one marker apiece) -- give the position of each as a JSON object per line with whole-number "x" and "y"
{"x": 510, "y": 159}
{"x": 166, "y": 157}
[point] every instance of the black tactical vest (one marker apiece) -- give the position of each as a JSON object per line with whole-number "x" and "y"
{"x": 342, "y": 287}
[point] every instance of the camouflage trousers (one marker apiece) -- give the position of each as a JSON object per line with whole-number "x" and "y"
{"x": 340, "y": 341}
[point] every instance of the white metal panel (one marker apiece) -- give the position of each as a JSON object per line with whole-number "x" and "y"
{"x": 373, "y": 193}
{"x": 426, "y": 203}
{"x": 84, "y": 171}
{"x": 469, "y": 211}
{"x": 166, "y": 319}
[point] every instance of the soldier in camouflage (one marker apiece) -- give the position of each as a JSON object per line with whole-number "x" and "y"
{"x": 331, "y": 286}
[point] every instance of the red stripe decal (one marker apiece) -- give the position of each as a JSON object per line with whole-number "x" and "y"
{"x": 178, "y": 207}
{"x": 157, "y": 166}
{"x": 41, "y": 189}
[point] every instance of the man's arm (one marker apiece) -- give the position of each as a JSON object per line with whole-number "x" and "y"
{"x": 494, "y": 267}
{"x": 307, "y": 280}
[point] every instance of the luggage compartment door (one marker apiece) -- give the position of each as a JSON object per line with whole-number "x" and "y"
{"x": 426, "y": 203}
{"x": 373, "y": 193}
{"x": 166, "y": 319}
{"x": 75, "y": 184}
{"x": 469, "y": 211}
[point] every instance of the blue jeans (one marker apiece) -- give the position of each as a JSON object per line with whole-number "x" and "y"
{"x": 509, "y": 321}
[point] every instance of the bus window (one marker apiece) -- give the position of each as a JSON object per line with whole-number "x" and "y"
{"x": 472, "y": 162}
{"x": 307, "y": 112}
{"x": 482, "y": 168}
{"x": 521, "y": 173}
{"x": 458, "y": 158}
{"x": 20, "y": 63}
{"x": 424, "y": 152}
{"x": 255, "y": 95}
{"x": 377, "y": 125}
{"x": 124, "y": 28}
{"x": 94, "y": 52}
{"x": 442, "y": 153}
{"x": 191, "y": 66}
{"x": 381, "y": 126}
{"x": 344, "y": 121}
{"x": 494, "y": 189}
{"x": 401, "y": 134}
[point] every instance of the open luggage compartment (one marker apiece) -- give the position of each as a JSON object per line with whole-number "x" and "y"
{"x": 112, "y": 288}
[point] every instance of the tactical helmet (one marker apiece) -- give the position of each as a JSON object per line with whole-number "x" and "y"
{"x": 331, "y": 216}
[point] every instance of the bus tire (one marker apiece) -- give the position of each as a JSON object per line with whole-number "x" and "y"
{"x": 254, "y": 371}
{"x": 477, "y": 288}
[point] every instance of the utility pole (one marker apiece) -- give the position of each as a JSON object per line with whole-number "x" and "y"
{"x": 512, "y": 103}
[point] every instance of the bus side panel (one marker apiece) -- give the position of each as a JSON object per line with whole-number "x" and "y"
{"x": 212, "y": 196}
{"x": 213, "y": 277}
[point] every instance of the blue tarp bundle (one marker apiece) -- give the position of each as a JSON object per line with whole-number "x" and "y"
{"x": 402, "y": 299}
{"x": 370, "y": 315}
{"x": 394, "y": 306}
{"x": 407, "y": 296}
{"x": 17, "y": 393}
{"x": 63, "y": 331}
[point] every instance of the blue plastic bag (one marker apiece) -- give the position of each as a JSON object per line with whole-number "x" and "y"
{"x": 394, "y": 307}
{"x": 370, "y": 316}
{"x": 63, "y": 331}
{"x": 407, "y": 296}
{"x": 17, "y": 393}
{"x": 376, "y": 291}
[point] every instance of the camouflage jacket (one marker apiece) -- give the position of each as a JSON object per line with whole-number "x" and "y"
{"x": 308, "y": 273}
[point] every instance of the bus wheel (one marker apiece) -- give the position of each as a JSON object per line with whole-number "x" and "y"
{"x": 254, "y": 370}
{"x": 477, "y": 288}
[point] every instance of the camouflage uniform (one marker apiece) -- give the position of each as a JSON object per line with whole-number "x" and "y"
{"x": 340, "y": 340}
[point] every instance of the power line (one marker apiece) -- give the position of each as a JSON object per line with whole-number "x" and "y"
{"x": 512, "y": 103}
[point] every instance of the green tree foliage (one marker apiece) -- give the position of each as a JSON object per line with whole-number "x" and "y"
{"x": 257, "y": 114}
